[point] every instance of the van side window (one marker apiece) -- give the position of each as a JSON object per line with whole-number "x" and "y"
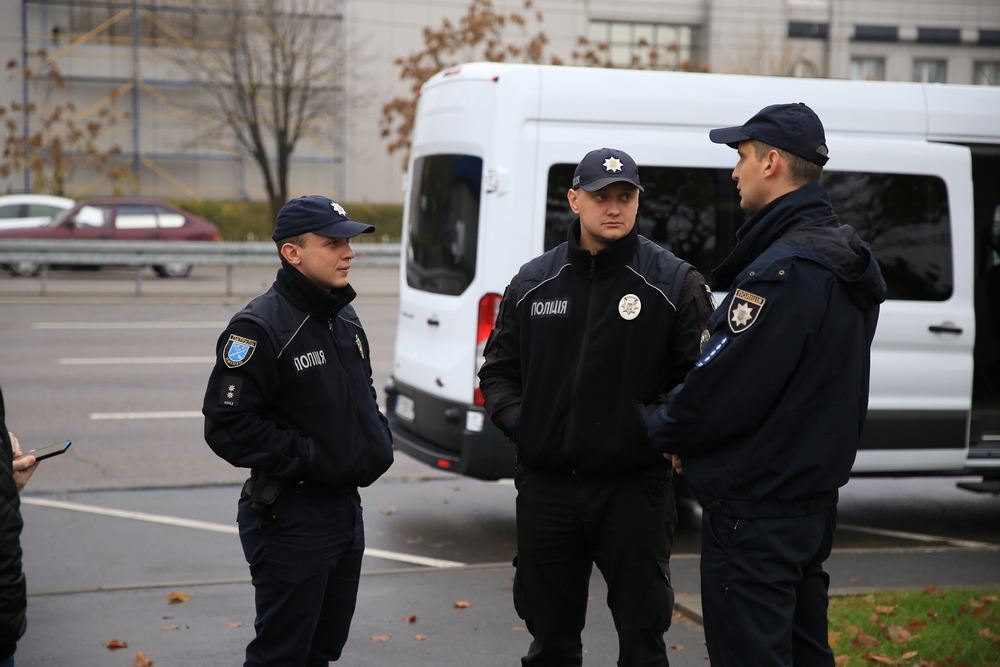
{"x": 695, "y": 212}
{"x": 443, "y": 223}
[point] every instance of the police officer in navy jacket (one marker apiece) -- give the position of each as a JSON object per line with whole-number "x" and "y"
{"x": 766, "y": 426}
{"x": 587, "y": 336}
{"x": 291, "y": 398}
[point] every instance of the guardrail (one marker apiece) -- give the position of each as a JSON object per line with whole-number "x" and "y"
{"x": 142, "y": 254}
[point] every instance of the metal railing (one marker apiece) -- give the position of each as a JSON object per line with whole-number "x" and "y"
{"x": 142, "y": 254}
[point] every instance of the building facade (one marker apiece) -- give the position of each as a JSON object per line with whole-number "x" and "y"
{"x": 122, "y": 55}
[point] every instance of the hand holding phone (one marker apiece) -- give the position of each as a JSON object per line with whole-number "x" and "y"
{"x": 51, "y": 450}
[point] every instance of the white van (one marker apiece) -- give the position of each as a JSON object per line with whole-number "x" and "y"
{"x": 914, "y": 168}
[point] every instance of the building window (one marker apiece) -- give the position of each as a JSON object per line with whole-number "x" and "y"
{"x": 987, "y": 74}
{"x": 868, "y": 69}
{"x": 630, "y": 44}
{"x": 929, "y": 71}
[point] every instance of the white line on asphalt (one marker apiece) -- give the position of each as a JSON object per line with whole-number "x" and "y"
{"x": 215, "y": 527}
{"x": 176, "y": 414}
{"x": 129, "y": 325}
{"x": 87, "y": 361}
{"x": 917, "y": 537}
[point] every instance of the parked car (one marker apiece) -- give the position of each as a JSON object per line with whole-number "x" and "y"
{"x": 121, "y": 219}
{"x": 19, "y": 211}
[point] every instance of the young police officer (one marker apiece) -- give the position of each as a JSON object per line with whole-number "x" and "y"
{"x": 587, "y": 335}
{"x": 291, "y": 398}
{"x": 767, "y": 423}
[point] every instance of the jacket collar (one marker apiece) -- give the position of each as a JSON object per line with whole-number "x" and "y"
{"x": 606, "y": 261}
{"x": 309, "y": 297}
{"x": 767, "y": 225}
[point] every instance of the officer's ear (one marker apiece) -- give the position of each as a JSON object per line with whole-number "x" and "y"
{"x": 291, "y": 253}
{"x": 571, "y": 197}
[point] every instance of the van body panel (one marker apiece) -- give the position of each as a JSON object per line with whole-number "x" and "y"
{"x": 530, "y": 123}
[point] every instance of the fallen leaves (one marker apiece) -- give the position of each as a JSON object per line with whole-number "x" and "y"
{"x": 170, "y": 627}
{"x": 410, "y": 619}
{"x": 234, "y": 624}
{"x": 381, "y": 638}
{"x": 462, "y": 604}
{"x": 141, "y": 660}
{"x": 115, "y": 644}
{"x": 420, "y": 637}
{"x": 177, "y": 598}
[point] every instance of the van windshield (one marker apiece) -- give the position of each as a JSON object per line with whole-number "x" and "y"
{"x": 443, "y": 223}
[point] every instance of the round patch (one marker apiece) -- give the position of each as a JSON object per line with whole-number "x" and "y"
{"x": 629, "y": 307}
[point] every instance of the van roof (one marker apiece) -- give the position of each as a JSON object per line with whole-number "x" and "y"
{"x": 953, "y": 113}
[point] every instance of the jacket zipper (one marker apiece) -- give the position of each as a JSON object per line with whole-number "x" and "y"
{"x": 583, "y": 355}
{"x": 354, "y": 398}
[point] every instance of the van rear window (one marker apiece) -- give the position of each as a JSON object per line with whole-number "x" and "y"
{"x": 695, "y": 213}
{"x": 443, "y": 223}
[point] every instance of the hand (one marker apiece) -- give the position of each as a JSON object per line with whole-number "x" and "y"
{"x": 24, "y": 466}
{"x": 675, "y": 461}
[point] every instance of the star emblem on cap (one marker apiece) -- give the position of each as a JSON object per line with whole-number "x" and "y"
{"x": 612, "y": 164}
{"x": 338, "y": 208}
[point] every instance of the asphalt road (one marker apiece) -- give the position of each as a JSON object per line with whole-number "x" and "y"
{"x": 141, "y": 507}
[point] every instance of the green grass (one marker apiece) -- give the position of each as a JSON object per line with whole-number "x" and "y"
{"x": 252, "y": 221}
{"x": 929, "y": 628}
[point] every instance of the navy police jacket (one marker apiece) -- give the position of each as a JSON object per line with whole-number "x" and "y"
{"x": 291, "y": 392}
{"x": 13, "y": 594}
{"x": 768, "y": 422}
{"x": 582, "y": 344}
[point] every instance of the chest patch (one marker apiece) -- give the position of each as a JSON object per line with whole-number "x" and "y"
{"x": 308, "y": 360}
{"x": 550, "y": 308}
{"x": 629, "y": 307}
{"x": 746, "y": 309}
{"x": 238, "y": 350}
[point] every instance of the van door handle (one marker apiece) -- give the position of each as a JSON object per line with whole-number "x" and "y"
{"x": 944, "y": 328}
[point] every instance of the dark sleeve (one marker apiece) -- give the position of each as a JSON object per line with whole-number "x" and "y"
{"x": 500, "y": 375}
{"x": 13, "y": 595}
{"x": 236, "y": 405}
{"x": 690, "y": 325}
{"x": 731, "y": 392}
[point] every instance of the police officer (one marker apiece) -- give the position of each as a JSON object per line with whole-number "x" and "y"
{"x": 766, "y": 426}
{"x": 586, "y": 337}
{"x": 291, "y": 398}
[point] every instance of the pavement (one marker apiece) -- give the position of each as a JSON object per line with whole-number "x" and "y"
{"x": 102, "y": 569}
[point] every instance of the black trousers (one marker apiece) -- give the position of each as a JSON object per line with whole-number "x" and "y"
{"x": 764, "y": 591}
{"x": 567, "y": 523}
{"x": 305, "y": 566}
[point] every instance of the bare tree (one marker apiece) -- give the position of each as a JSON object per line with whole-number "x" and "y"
{"x": 271, "y": 68}
{"x": 51, "y": 143}
{"x": 481, "y": 34}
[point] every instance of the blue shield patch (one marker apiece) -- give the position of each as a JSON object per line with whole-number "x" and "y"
{"x": 238, "y": 350}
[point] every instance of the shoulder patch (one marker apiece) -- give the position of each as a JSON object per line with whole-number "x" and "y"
{"x": 709, "y": 296}
{"x": 232, "y": 385}
{"x": 238, "y": 350}
{"x": 746, "y": 309}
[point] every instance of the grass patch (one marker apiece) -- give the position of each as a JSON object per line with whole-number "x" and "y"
{"x": 252, "y": 221}
{"x": 929, "y": 628}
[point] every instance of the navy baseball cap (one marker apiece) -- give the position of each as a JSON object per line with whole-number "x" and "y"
{"x": 319, "y": 215}
{"x": 603, "y": 166}
{"x": 792, "y": 127}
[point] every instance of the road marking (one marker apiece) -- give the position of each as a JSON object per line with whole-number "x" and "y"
{"x": 917, "y": 537}
{"x": 177, "y": 414}
{"x": 214, "y": 527}
{"x": 93, "y": 361}
{"x": 130, "y": 325}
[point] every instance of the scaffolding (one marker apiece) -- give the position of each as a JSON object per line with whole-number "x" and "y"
{"x": 123, "y": 56}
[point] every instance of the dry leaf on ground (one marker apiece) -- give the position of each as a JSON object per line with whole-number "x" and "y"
{"x": 177, "y": 598}
{"x": 141, "y": 660}
{"x": 462, "y": 604}
{"x": 381, "y": 638}
{"x": 115, "y": 644}
{"x": 234, "y": 624}
{"x": 170, "y": 627}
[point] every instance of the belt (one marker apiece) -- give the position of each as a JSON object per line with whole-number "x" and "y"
{"x": 313, "y": 488}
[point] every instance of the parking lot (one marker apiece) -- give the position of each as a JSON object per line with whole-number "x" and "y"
{"x": 140, "y": 507}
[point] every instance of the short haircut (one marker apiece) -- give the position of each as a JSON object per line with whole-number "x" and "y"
{"x": 802, "y": 171}
{"x": 299, "y": 240}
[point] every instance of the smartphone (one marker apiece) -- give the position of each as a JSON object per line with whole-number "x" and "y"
{"x": 51, "y": 450}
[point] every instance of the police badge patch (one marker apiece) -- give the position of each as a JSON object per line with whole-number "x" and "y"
{"x": 629, "y": 307}
{"x": 746, "y": 310}
{"x": 238, "y": 350}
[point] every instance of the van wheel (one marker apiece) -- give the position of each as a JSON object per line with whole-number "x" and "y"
{"x": 173, "y": 270}
{"x": 24, "y": 269}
